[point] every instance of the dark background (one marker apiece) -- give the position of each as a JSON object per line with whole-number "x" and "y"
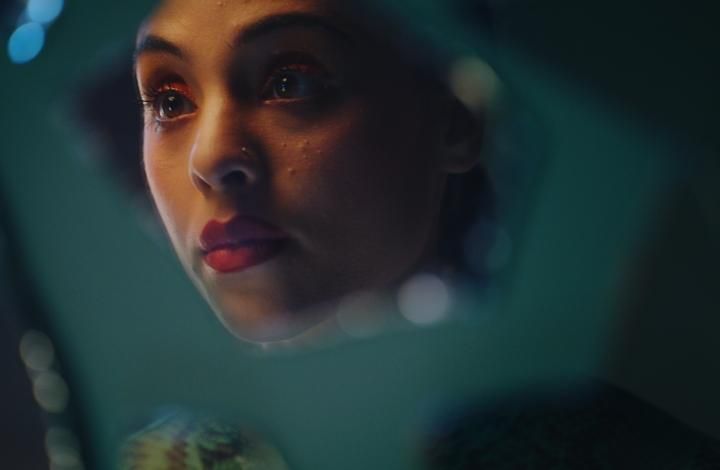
{"x": 612, "y": 206}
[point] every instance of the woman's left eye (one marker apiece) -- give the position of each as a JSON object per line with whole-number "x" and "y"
{"x": 295, "y": 83}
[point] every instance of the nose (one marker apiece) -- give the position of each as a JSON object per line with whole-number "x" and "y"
{"x": 222, "y": 157}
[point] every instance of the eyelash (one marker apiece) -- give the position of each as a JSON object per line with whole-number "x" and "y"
{"x": 313, "y": 81}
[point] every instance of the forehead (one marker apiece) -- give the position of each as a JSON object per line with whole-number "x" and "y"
{"x": 212, "y": 18}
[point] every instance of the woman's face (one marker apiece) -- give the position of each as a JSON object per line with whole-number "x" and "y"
{"x": 293, "y": 158}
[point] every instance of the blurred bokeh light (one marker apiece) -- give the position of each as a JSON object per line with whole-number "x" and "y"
{"x": 44, "y": 11}
{"x": 26, "y": 42}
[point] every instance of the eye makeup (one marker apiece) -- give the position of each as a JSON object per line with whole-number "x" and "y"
{"x": 295, "y": 72}
{"x": 167, "y": 100}
{"x": 294, "y": 77}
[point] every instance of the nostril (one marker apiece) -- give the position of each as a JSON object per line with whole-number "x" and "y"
{"x": 217, "y": 171}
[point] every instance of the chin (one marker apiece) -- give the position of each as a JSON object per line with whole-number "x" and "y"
{"x": 265, "y": 323}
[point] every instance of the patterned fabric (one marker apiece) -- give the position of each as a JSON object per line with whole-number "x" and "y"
{"x": 182, "y": 442}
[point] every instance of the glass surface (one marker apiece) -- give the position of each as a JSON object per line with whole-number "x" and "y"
{"x": 601, "y": 262}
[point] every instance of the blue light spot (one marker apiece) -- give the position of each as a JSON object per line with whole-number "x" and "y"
{"x": 44, "y": 11}
{"x": 26, "y": 43}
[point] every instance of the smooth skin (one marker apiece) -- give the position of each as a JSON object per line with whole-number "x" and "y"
{"x": 288, "y": 112}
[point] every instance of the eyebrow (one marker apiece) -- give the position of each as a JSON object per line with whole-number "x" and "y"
{"x": 152, "y": 43}
{"x": 271, "y": 24}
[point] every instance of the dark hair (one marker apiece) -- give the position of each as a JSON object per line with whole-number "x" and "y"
{"x": 425, "y": 33}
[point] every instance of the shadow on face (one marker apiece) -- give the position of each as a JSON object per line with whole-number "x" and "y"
{"x": 293, "y": 159}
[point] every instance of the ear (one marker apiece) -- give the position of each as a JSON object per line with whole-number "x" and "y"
{"x": 464, "y": 137}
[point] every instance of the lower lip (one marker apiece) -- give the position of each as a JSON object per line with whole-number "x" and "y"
{"x": 244, "y": 256}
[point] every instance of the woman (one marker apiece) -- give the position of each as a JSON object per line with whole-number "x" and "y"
{"x": 298, "y": 154}
{"x": 294, "y": 157}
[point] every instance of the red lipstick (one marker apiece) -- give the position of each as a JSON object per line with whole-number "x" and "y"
{"x": 239, "y": 243}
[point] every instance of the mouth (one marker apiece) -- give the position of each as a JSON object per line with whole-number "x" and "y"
{"x": 240, "y": 243}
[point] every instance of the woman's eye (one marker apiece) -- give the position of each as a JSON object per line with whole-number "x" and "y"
{"x": 293, "y": 84}
{"x": 168, "y": 104}
{"x": 173, "y": 104}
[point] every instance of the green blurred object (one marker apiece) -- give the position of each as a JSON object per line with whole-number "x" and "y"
{"x": 625, "y": 115}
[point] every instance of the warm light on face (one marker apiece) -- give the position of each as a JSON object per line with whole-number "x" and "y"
{"x": 291, "y": 158}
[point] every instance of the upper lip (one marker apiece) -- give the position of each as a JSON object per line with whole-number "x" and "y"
{"x": 235, "y": 231}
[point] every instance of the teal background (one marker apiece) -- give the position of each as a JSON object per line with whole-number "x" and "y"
{"x": 614, "y": 269}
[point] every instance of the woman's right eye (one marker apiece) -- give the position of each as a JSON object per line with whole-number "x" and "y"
{"x": 168, "y": 103}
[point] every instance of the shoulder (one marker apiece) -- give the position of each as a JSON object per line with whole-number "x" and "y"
{"x": 590, "y": 426}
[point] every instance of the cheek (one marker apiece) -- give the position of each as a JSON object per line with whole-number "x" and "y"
{"x": 378, "y": 165}
{"x": 166, "y": 172}
{"x": 367, "y": 188}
